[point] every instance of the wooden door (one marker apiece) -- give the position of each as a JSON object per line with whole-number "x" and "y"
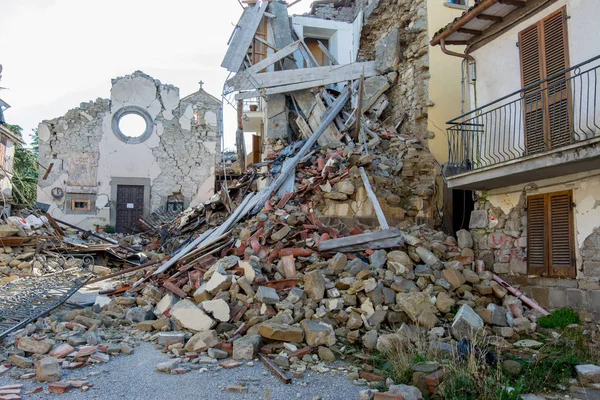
{"x": 130, "y": 207}
{"x": 547, "y": 106}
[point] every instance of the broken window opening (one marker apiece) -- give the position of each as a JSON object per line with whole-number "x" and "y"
{"x": 132, "y": 125}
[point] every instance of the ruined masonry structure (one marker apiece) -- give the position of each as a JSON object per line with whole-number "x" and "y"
{"x": 101, "y": 176}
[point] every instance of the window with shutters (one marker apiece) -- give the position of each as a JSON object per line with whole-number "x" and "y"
{"x": 547, "y": 103}
{"x": 550, "y": 234}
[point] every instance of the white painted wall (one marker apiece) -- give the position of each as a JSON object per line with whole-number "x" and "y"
{"x": 585, "y": 196}
{"x": 9, "y": 157}
{"x": 343, "y": 38}
{"x": 499, "y": 73}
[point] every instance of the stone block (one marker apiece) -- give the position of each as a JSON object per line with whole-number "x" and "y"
{"x": 387, "y": 52}
{"x": 593, "y": 301}
{"x": 591, "y": 268}
{"x": 48, "y": 370}
{"x": 201, "y": 341}
{"x": 557, "y": 297}
{"x": 588, "y": 373}
{"x": 540, "y": 295}
{"x": 479, "y": 219}
{"x": 246, "y": 348}
{"x": 518, "y": 265}
{"x": 466, "y": 323}
{"x": 281, "y": 332}
{"x": 499, "y": 241}
{"x": 575, "y": 298}
{"x": 465, "y": 240}
{"x": 189, "y": 316}
{"x": 318, "y": 333}
{"x": 501, "y": 268}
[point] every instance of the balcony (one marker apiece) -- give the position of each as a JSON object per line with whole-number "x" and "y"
{"x": 548, "y": 129}
{"x": 253, "y": 115}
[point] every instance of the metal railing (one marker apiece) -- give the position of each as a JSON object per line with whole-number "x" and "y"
{"x": 253, "y": 104}
{"x": 558, "y": 111}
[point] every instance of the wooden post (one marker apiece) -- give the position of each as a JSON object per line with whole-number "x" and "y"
{"x": 380, "y": 216}
{"x": 358, "y": 114}
{"x": 239, "y": 137}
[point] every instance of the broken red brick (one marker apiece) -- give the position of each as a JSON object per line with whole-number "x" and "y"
{"x": 387, "y": 396}
{"x": 370, "y": 377}
{"x": 301, "y": 352}
{"x": 435, "y": 378}
{"x": 10, "y": 397}
{"x": 59, "y": 387}
{"x": 85, "y": 351}
{"x": 230, "y": 364}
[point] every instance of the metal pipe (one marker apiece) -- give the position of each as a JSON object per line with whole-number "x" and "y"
{"x": 520, "y": 295}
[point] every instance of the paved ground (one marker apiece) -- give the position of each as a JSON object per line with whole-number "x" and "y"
{"x": 134, "y": 377}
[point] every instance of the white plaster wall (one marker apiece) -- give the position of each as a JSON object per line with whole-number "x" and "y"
{"x": 343, "y": 43}
{"x": 586, "y": 196}
{"x": 499, "y": 74}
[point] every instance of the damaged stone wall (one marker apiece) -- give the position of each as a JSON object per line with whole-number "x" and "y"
{"x": 177, "y": 155}
{"x": 408, "y": 95}
{"x": 498, "y": 227}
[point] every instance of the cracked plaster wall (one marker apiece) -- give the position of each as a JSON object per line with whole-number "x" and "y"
{"x": 178, "y": 156}
{"x": 503, "y": 245}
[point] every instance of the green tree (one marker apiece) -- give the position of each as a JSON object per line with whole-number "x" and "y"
{"x": 25, "y": 171}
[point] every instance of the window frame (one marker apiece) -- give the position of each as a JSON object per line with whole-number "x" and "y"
{"x": 75, "y": 201}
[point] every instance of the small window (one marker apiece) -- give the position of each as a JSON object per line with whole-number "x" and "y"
{"x": 81, "y": 205}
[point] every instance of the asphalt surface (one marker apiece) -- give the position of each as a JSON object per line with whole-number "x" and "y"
{"x": 134, "y": 377}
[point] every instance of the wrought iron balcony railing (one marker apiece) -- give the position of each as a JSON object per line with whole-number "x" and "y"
{"x": 558, "y": 111}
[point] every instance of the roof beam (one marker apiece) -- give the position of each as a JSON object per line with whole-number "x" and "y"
{"x": 515, "y": 3}
{"x": 456, "y": 42}
{"x": 488, "y": 17}
{"x": 473, "y": 32}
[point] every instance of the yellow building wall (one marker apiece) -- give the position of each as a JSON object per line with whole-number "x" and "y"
{"x": 445, "y": 79}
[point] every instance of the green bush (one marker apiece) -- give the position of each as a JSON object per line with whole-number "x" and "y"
{"x": 560, "y": 318}
{"x": 109, "y": 229}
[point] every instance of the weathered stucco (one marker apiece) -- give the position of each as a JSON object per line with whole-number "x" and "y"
{"x": 499, "y": 230}
{"x": 178, "y": 156}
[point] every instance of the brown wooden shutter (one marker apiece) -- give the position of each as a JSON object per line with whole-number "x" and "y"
{"x": 560, "y": 234}
{"x": 544, "y": 51}
{"x": 531, "y": 72}
{"x": 555, "y": 59}
{"x": 536, "y": 234}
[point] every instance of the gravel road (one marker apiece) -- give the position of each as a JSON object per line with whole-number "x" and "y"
{"x": 134, "y": 377}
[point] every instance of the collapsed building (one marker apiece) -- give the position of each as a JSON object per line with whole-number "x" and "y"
{"x": 102, "y": 175}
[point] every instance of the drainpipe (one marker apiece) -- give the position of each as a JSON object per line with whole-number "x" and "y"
{"x": 471, "y": 61}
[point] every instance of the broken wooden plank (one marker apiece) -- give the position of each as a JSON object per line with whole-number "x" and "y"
{"x": 359, "y": 239}
{"x": 262, "y": 196}
{"x": 300, "y": 86}
{"x": 339, "y": 73}
{"x": 242, "y": 39}
{"x": 304, "y": 128}
{"x": 380, "y": 216}
{"x": 245, "y": 76}
{"x": 274, "y": 368}
{"x": 263, "y": 41}
{"x": 327, "y": 53}
{"x": 397, "y": 241}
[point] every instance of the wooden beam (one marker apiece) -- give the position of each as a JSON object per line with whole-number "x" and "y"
{"x": 327, "y": 53}
{"x": 332, "y": 244}
{"x": 359, "y": 111}
{"x": 456, "y": 42}
{"x": 259, "y": 66}
{"x": 473, "y": 32}
{"x": 269, "y": 15}
{"x": 244, "y": 33}
{"x": 269, "y": 45}
{"x": 514, "y": 3}
{"x": 488, "y": 17}
{"x": 339, "y": 73}
{"x": 378, "y": 211}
